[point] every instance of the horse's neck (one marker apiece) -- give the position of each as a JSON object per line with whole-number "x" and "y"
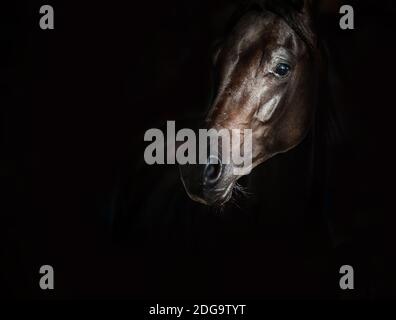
{"x": 325, "y": 134}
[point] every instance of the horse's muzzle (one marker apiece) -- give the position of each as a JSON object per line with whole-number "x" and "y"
{"x": 205, "y": 183}
{"x": 212, "y": 171}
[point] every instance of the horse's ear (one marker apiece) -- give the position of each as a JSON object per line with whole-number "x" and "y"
{"x": 308, "y": 8}
{"x": 302, "y": 5}
{"x": 307, "y": 14}
{"x": 300, "y": 14}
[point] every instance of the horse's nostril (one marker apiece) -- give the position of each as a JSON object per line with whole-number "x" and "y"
{"x": 212, "y": 170}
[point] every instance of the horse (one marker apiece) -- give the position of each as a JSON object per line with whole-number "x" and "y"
{"x": 268, "y": 72}
{"x": 270, "y": 75}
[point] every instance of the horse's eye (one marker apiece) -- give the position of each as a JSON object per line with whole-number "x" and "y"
{"x": 282, "y": 69}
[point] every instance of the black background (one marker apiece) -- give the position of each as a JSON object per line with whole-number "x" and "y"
{"x": 76, "y": 101}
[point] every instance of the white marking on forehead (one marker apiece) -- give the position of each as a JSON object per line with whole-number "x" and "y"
{"x": 265, "y": 111}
